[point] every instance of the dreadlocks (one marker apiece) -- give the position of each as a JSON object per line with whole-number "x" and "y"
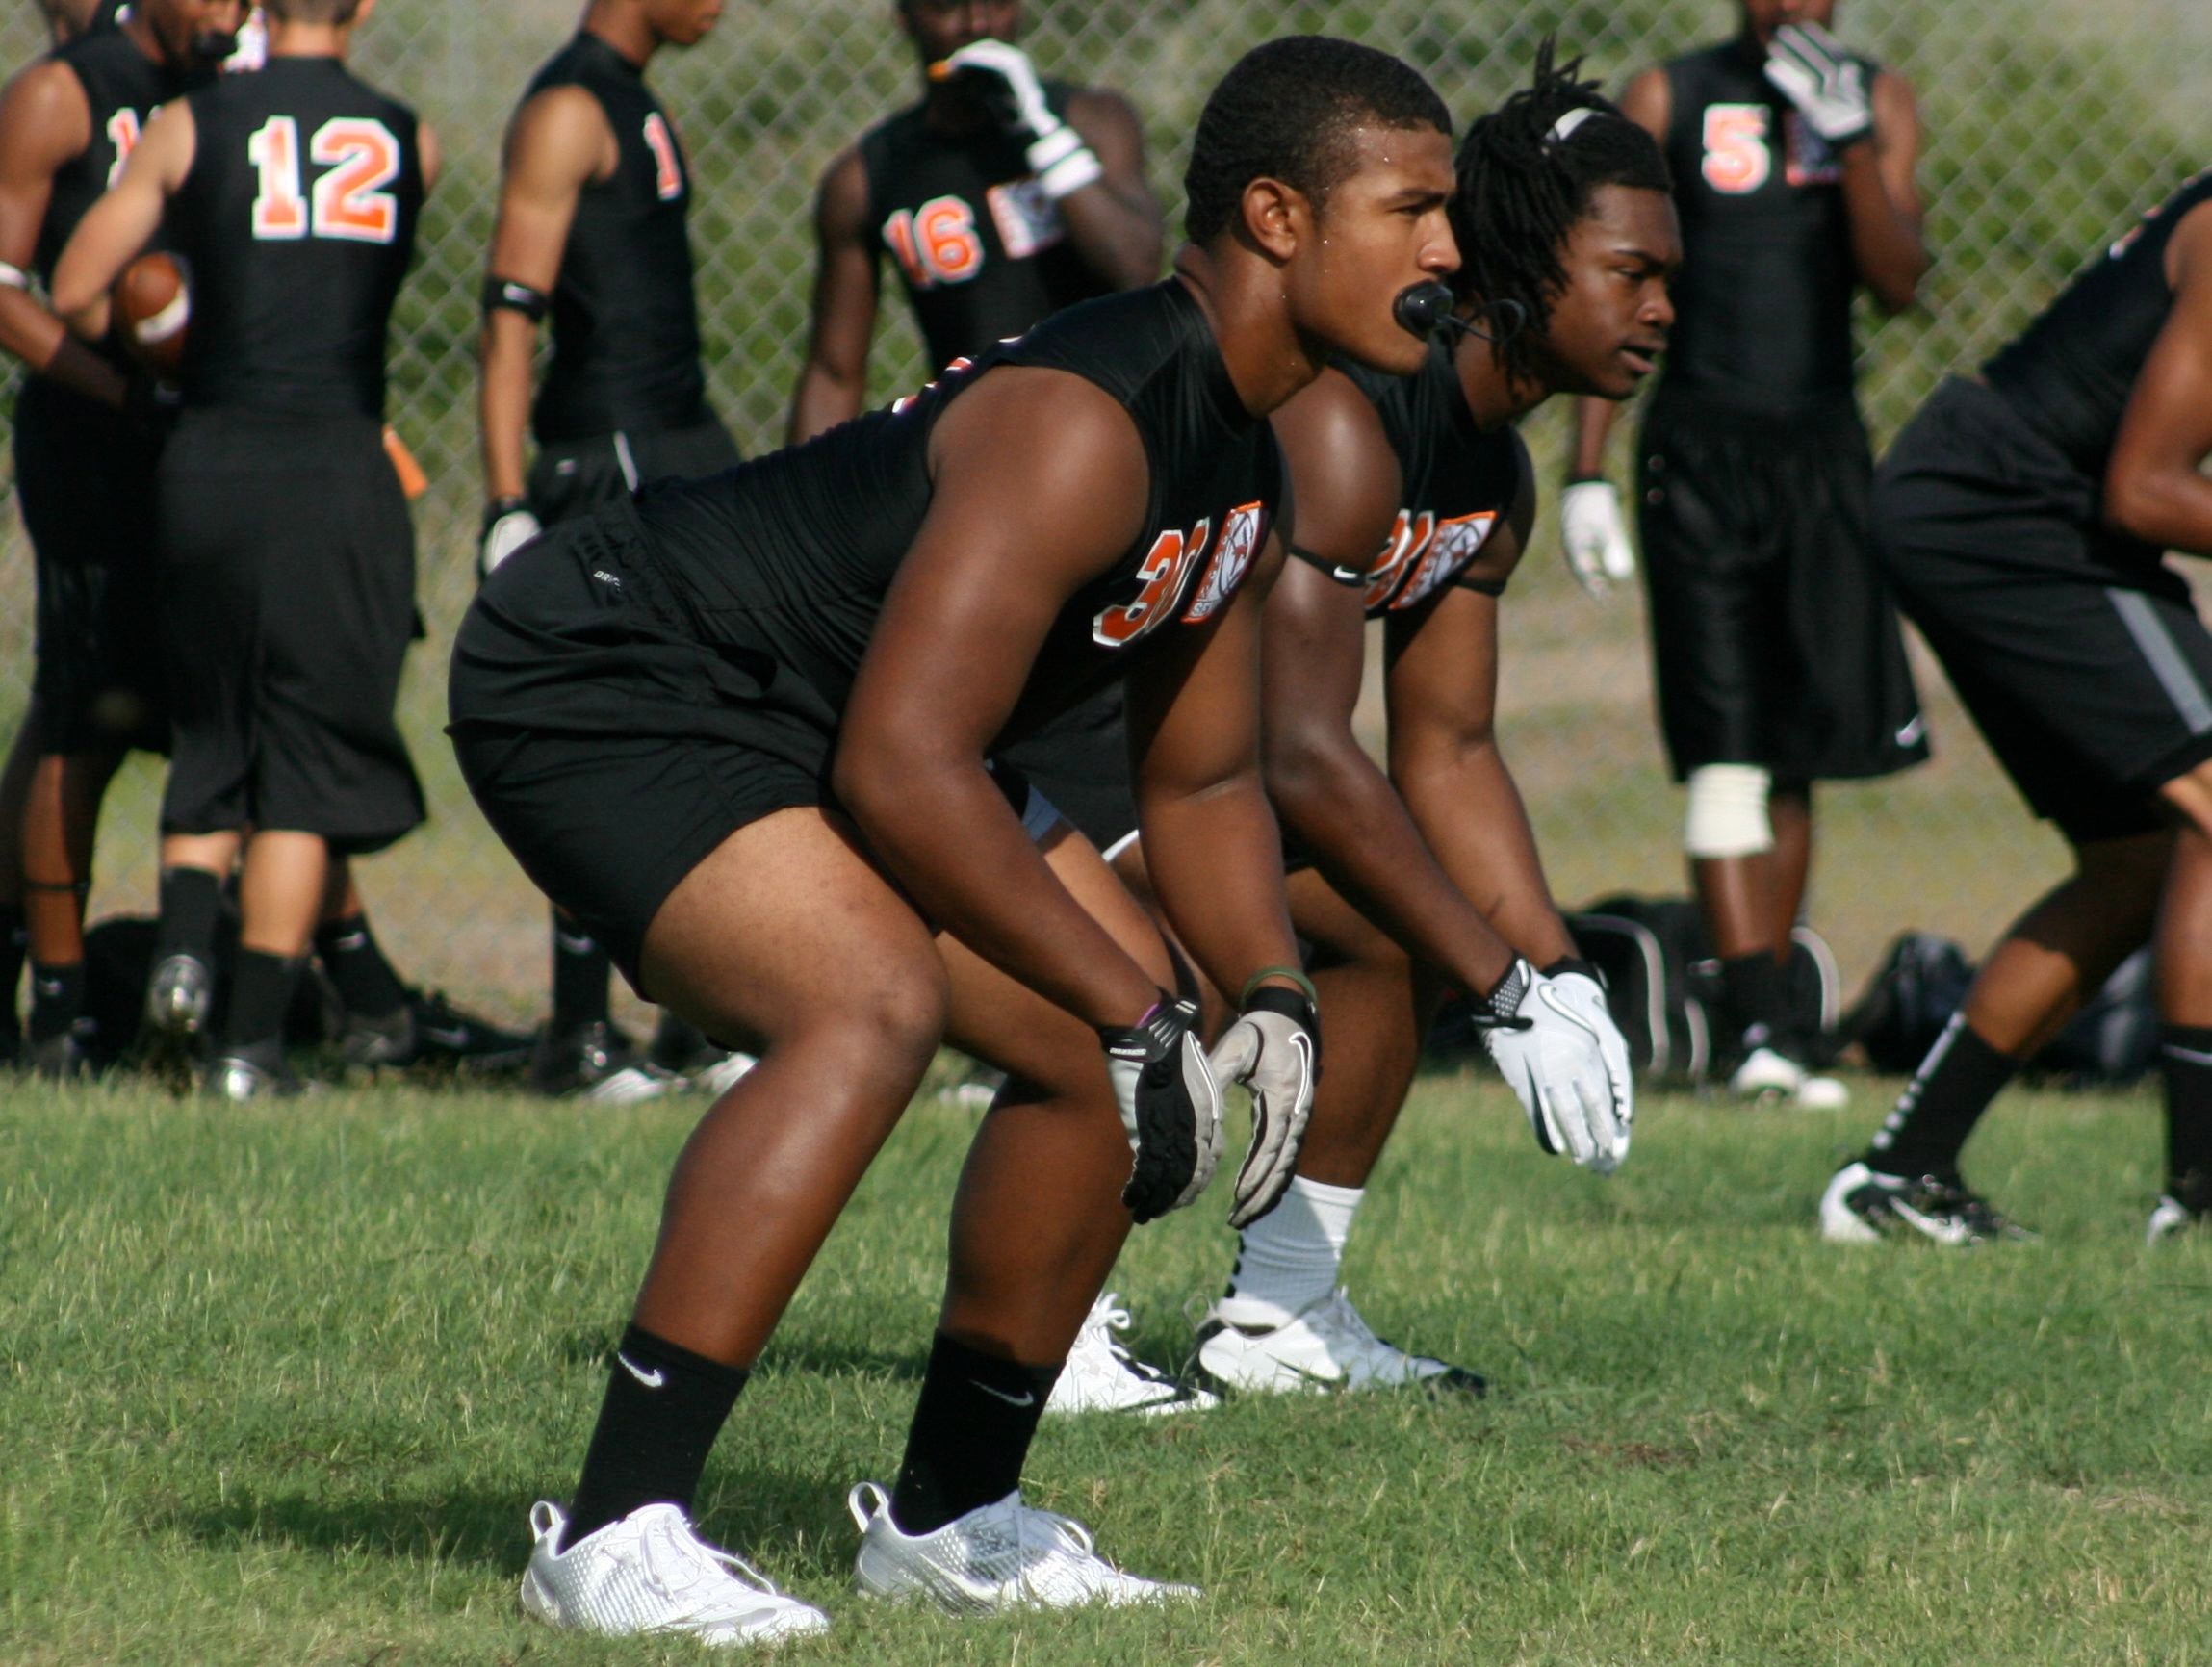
{"x": 1527, "y": 173}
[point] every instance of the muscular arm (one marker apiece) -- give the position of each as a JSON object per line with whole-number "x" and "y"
{"x": 45, "y": 123}
{"x": 431, "y": 153}
{"x": 2152, "y": 487}
{"x": 1445, "y": 759}
{"x": 834, "y": 381}
{"x": 1115, "y": 223}
{"x": 559, "y": 143}
{"x": 1648, "y": 101}
{"x": 1882, "y": 198}
{"x": 121, "y": 223}
{"x": 1017, "y": 525}
{"x": 1329, "y": 793}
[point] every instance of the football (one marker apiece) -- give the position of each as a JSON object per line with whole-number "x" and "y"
{"x": 153, "y": 304}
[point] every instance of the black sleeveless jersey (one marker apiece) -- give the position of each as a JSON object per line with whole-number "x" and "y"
{"x": 978, "y": 247}
{"x": 625, "y": 320}
{"x": 792, "y": 554}
{"x": 2070, "y": 371}
{"x": 1456, "y": 484}
{"x": 299, "y": 221}
{"x": 1763, "y": 303}
{"x": 123, "y": 87}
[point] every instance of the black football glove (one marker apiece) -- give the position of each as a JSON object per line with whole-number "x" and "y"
{"x": 1275, "y": 1050}
{"x": 1170, "y": 1108}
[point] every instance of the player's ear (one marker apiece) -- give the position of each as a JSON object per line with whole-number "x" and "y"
{"x": 1275, "y": 217}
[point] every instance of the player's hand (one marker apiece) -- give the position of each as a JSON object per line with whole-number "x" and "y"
{"x": 1170, "y": 1108}
{"x": 1824, "y": 81}
{"x": 1275, "y": 1050}
{"x": 1015, "y": 97}
{"x": 1594, "y": 535}
{"x": 1576, "y": 986}
{"x": 508, "y": 525}
{"x": 1549, "y": 1054}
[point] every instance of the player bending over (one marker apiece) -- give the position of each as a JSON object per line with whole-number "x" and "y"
{"x": 739, "y": 729}
{"x": 2023, "y": 517}
{"x": 1427, "y": 871}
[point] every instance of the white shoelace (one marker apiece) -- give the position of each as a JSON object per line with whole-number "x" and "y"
{"x": 689, "y": 1562}
{"x": 1341, "y": 1326}
{"x": 1108, "y": 1317}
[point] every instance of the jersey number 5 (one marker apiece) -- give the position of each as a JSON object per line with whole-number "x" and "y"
{"x": 349, "y": 202}
{"x": 1738, "y": 160}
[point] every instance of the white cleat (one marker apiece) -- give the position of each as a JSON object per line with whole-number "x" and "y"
{"x": 725, "y": 1073}
{"x": 650, "y": 1573}
{"x": 1765, "y": 1073}
{"x": 2171, "y": 1219}
{"x": 1256, "y": 1347}
{"x": 997, "y": 1557}
{"x": 631, "y": 1084}
{"x": 1103, "y": 1376}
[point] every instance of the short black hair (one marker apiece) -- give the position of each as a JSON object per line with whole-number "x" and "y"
{"x": 1527, "y": 173}
{"x": 1286, "y": 110}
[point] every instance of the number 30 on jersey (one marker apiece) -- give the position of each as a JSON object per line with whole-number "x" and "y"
{"x": 348, "y": 202}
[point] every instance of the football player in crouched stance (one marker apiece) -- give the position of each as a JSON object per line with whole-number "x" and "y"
{"x": 739, "y": 728}
{"x": 2023, "y": 516}
{"x": 1426, "y": 870}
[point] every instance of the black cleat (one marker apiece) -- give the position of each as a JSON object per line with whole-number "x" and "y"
{"x": 251, "y": 1072}
{"x": 596, "y": 1061}
{"x": 1862, "y": 1205}
{"x": 431, "y": 1031}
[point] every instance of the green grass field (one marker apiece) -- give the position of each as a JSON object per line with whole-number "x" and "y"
{"x": 277, "y": 1385}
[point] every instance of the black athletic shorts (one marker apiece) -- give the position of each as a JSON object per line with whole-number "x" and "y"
{"x": 1774, "y": 638}
{"x": 608, "y": 748}
{"x": 573, "y": 477}
{"x": 2076, "y": 650}
{"x": 288, "y": 603}
{"x": 85, "y": 478}
{"x": 1080, "y": 762}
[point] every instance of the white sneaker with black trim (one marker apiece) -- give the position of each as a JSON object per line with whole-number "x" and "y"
{"x": 997, "y": 1557}
{"x": 1254, "y": 1347}
{"x": 1863, "y": 1206}
{"x": 1768, "y": 1074}
{"x": 2170, "y": 1217}
{"x": 650, "y": 1573}
{"x": 1103, "y": 1376}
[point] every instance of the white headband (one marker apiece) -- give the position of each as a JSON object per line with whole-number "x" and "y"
{"x": 1563, "y": 129}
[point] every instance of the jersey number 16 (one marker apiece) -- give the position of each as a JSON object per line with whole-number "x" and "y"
{"x": 348, "y": 202}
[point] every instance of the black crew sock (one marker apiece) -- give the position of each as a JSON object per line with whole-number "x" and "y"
{"x": 363, "y": 978}
{"x": 192, "y": 902}
{"x": 664, "y": 1407}
{"x": 1924, "y": 1134}
{"x": 261, "y": 990}
{"x": 974, "y": 1424}
{"x": 1757, "y": 998}
{"x": 57, "y": 1000}
{"x": 581, "y": 969}
{"x": 2185, "y": 1061}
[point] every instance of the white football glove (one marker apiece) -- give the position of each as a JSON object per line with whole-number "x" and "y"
{"x": 1579, "y": 990}
{"x": 1594, "y": 537}
{"x": 1274, "y": 1050}
{"x": 1824, "y": 81}
{"x": 1550, "y": 1053}
{"x": 1170, "y": 1108}
{"x": 507, "y": 526}
{"x": 1055, "y": 151}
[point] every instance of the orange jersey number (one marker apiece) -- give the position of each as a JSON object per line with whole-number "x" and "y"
{"x": 348, "y": 202}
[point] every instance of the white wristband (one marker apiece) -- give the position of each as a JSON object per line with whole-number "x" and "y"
{"x": 1070, "y": 174}
{"x": 14, "y": 278}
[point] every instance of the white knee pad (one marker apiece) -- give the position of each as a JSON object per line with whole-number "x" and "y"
{"x": 1728, "y": 811}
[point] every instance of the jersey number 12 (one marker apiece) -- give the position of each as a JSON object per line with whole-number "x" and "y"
{"x": 349, "y": 202}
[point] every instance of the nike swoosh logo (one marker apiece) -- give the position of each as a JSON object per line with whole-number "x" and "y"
{"x": 2195, "y": 1058}
{"x": 1942, "y": 1232}
{"x": 1027, "y": 1397}
{"x": 653, "y": 1379}
{"x": 1911, "y": 731}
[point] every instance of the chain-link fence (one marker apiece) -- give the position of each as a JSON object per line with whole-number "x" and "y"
{"x": 2049, "y": 122}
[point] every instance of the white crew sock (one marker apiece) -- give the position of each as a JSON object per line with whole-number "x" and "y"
{"x": 1291, "y": 1256}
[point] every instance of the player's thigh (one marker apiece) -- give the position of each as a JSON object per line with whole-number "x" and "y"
{"x": 787, "y": 930}
{"x": 1001, "y": 1020}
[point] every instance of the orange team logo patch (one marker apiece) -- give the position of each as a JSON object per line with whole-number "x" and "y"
{"x": 1160, "y": 579}
{"x": 1451, "y": 547}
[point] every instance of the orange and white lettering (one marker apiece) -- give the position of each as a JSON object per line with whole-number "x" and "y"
{"x": 1160, "y": 579}
{"x": 667, "y": 167}
{"x": 350, "y": 201}
{"x": 1738, "y": 159}
{"x": 1233, "y": 553}
{"x": 123, "y": 130}
{"x": 280, "y": 209}
{"x": 1452, "y": 547}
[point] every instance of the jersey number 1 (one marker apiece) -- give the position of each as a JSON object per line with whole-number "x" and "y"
{"x": 349, "y": 202}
